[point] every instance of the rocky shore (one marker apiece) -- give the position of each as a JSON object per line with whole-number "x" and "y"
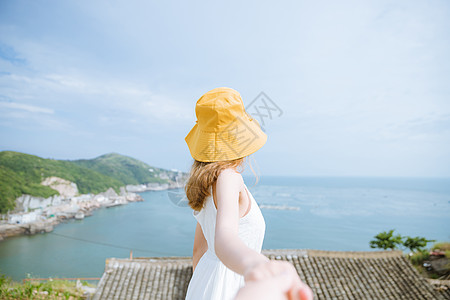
{"x": 34, "y": 215}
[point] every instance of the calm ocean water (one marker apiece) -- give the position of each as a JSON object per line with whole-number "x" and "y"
{"x": 300, "y": 212}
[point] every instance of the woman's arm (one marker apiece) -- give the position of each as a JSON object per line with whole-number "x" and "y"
{"x": 230, "y": 249}
{"x": 200, "y": 246}
{"x": 234, "y": 254}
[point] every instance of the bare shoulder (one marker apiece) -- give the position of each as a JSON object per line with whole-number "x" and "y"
{"x": 230, "y": 178}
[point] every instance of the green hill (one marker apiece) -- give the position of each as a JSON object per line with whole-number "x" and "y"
{"x": 123, "y": 168}
{"x": 22, "y": 173}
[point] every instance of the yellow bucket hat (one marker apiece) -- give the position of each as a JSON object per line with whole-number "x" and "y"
{"x": 223, "y": 130}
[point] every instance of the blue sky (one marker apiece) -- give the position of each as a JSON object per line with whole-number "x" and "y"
{"x": 363, "y": 85}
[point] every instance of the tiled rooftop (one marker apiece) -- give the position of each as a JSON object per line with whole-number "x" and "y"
{"x": 330, "y": 274}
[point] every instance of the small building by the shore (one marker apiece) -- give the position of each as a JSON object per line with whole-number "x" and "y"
{"x": 25, "y": 217}
{"x": 330, "y": 274}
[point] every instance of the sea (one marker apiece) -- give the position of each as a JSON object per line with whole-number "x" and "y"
{"x": 327, "y": 213}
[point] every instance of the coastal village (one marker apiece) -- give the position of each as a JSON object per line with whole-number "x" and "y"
{"x": 34, "y": 215}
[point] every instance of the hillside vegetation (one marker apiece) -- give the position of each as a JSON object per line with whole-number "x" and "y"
{"x": 36, "y": 289}
{"x": 22, "y": 173}
{"x": 123, "y": 168}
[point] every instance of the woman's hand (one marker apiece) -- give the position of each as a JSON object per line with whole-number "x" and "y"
{"x": 274, "y": 280}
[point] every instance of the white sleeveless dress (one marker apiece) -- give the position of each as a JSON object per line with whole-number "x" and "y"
{"x": 212, "y": 280}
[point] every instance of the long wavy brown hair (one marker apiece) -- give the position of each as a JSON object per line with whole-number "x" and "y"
{"x": 204, "y": 174}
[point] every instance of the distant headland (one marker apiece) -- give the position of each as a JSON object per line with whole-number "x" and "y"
{"x": 38, "y": 193}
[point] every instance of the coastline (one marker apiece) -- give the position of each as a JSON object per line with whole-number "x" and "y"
{"x": 35, "y": 215}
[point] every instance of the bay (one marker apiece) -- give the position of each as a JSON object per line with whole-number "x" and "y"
{"x": 300, "y": 212}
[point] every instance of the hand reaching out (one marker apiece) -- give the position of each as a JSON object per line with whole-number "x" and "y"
{"x": 274, "y": 280}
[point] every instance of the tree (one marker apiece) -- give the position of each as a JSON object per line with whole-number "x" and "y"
{"x": 416, "y": 243}
{"x": 386, "y": 240}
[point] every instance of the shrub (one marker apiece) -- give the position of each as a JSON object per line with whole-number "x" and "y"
{"x": 417, "y": 243}
{"x": 443, "y": 246}
{"x": 419, "y": 257}
{"x": 386, "y": 240}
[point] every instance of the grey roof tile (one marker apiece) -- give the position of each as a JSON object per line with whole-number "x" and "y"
{"x": 330, "y": 274}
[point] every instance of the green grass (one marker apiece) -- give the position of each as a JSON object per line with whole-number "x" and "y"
{"x": 55, "y": 289}
{"x": 443, "y": 246}
{"x": 419, "y": 257}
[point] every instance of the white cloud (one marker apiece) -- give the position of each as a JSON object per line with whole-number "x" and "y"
{"x": 125, "y": 97}
{"x": 29, "y": 118}
{"x": 26, "y": 107}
